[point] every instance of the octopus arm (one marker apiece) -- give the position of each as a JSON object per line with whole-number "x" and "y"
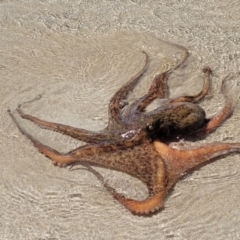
{"x": 181, "y": 160}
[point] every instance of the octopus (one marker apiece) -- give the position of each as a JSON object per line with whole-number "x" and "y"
{"x": 138, "y": 142}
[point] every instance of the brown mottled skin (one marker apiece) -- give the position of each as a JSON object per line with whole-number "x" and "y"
{"x": 136, "y": 142}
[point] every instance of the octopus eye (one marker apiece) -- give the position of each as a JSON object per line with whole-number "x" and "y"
{"x": 165, "y": 131}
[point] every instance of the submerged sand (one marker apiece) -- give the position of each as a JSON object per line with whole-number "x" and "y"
{"x": 77, "y": 54}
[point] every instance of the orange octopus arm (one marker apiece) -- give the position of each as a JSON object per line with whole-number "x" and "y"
{"x": 180, "y": 161}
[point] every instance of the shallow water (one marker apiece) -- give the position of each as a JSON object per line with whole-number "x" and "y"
{"x": 77, "y": 54}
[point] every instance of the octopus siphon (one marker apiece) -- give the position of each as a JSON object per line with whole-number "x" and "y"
{"x": 138, "y": 142}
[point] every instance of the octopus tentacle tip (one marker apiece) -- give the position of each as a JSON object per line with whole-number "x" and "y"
{"x": 207, "y": 69}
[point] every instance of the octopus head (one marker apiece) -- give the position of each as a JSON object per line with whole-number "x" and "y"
{"x": 177, "y": 119}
